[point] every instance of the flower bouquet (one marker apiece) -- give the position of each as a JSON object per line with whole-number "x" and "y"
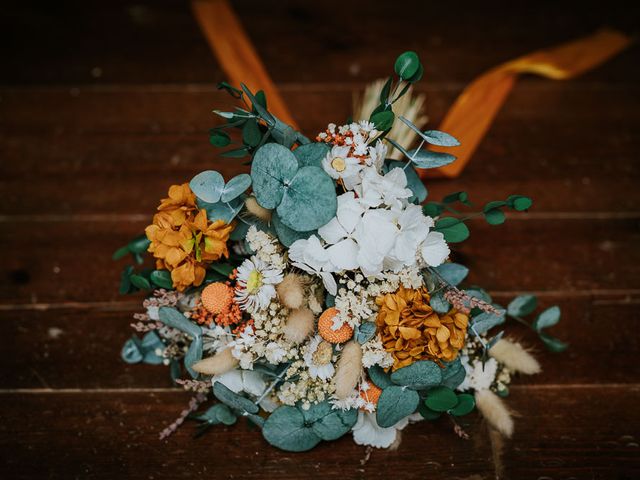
{"x": 315, "y": 296}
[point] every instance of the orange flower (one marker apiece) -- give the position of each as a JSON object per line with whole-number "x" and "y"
{"x": 183, "y": 241}
{"x": 411, "y": 330}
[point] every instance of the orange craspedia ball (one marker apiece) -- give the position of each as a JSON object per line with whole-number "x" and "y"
{"x": 217, "y": 297}
{"x": 341, "y": 335}
{"x": 372, "y": 394}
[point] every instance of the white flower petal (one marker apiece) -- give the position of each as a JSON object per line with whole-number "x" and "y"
{"x": 344, "y": 254}
{"x": 434, "y": 249}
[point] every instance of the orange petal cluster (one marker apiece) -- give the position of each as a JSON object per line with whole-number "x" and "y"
{"x": 372, "y": 394}
{"x": 183, "y": 240}
{"x": 411, "y": 330}
{"x": 325, "y": 322}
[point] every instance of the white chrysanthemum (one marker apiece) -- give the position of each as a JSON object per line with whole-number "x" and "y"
{"x": 255, "y": 284}
{"x": 339, "y": 165}
{"x": 479, "y": 376}
{"x": 318, "y": 358}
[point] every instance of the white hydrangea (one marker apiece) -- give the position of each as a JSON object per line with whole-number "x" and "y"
{"x": 479, "y": 376}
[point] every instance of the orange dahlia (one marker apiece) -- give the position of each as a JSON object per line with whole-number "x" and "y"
{"x": 411, "y": 330}
{"x": 183, "y": 241}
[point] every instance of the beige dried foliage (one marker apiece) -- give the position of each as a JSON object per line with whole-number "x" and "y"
{"x": 494, "y": 410}
{"x": 220, "y": 363}
{"x": 514, "y": 356}
{"x": 299, "y": 325}
{"x": 348, "y": 370}
{"x": 256, "y": 210}
{"x": 291, "y": 291}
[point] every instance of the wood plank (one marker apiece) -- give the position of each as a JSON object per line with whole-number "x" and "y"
{"x": 69, "y": 261}
{"x": 114, "y": 435}
{"x": 80, "y": 347}
{"x": 159, "y": 42}
{"x": 117, "y": 151}
{"x": 573, "y": 433}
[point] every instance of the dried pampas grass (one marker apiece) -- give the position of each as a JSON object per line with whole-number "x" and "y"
{"x": 493, "y": 409}
{"x": 291, "y": 291}
{"x": 349, "y": 369}
{"x": 220, "y": 363}
{"x": 514, "y": 356}
{"x": 299, "y": 325}
{"x": 256, "y": 210}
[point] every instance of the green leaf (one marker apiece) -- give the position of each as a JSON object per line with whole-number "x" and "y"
{"x": 548, "y": 318}
{"x": 309, "y": 201}
{"x": 383, "y": 120}
{"x": 251, "y": 134}
{"x": 453, "y": 273}
{"x": 415, "y": 77}
{"x": 407, "y": 65}
{"x": 418, "y": 375}
{"x": 454, "y": 230}
{"x": 231, "y": 90}
{"x": 273, "y": 167}
{"x": 120, "y": 253}
{"x": 218, "y": 413}
{"x": 262, "y": 111}
{"x": 235, "y": 187}
{"x": 466, "y": 404}
{"x": 131, "y": 351}
{"x": 427, "y": 159}
{"x": 236, "y": 153}
{"x": 283, "y": 133}
{"x": 519, "y": 202}
{"x": 207, "y": 186}
{"x": 365, "y": 332}
{"x": 479, "y": 293}
{"x": 552, "y": 343}
{"x": 486, "y": 321}
{"x": 125, "y": 280}
{"x": 432, "y": 209}
{"x": 441, "y": 399}
{"x": 139, "y": 244}
{"x": 522, "y": 305}
{"x": 218, "y": 138}
{"x": 414, "y": 182}
{"x": 329, "y": 423}
{"x": 233, "y": 400}
{"x": 222, "y": 268}
{"x": 494, "y": 217}
{"x": 193, "y": 355}
{"x": 288, "y": 235}
{"x": 461, "y": 197}
{"x": 312, "y": 154}
{"x": 150, "y": 343}
{"x": 173, "y": 318}
{"x": 394, "y": 404}
{"x": 140, "y": 282}
{"x": 439, "y": 303}
{"x": 162, "y": 279}
{"x": 379, "y": 377}
{"x": 427, "y": 413}
{"x": 453, "y": 374}
{"x": 441, "y": 139}
{"x": 386, "y": 89}
{"x": 225, "y": 211}
{"x": 286, "y": 429}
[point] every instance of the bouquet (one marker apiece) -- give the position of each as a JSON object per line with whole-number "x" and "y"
{"x": 315, "y": 296}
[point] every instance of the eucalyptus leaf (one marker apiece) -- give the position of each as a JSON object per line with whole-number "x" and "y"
{"x": 494, "y": 217}
{"x": 427, "y": 413}
{"x": 218, "y": 138}
{"x": 233, "y": 400}
{"x": 365, "y": 332}
{"x": 131, "y": 351}
{"x": 548, "y": 318}
{"x": 309, "y": 201}
{"x": 519, "y": 202}
{"x": 478, "y": 293}
{"x": 193, "y": 355}
{"x": 522, "y": 305}
{"x": 441, "y": 399}
{"x": 235, "y": 153}
{"x": 312, "y": 154}
{"x": 466, "y": 404}
{"x": 273, "y": 167}
{"x": 486, "y": 321}
{"x": 379, "y": 377}
{"x": 419, "y": 375}
{"x": 251, "y": 133}
{"x": 283, "y": 133}
{"x": 386, "y": 90}
{"x": 407, "y": 65}
{"x": 125, "y": 280}
{"x": 453, "y": 374}
{"x": 432, "y": 209}
{"x": 287, "y": 235}
{"x": 329, "y": 423}
{"x": 433, "y": 137}
{"x": 286, "y": 429}
{"x": 262, "y": 111}
{"x": 173, "y": 318}
{"x": 225, "y": 211}
{"x": 140, "y": 282}
{"x": 383, "y": 120}
{"x": 453, "y": 273}
{"x": 553, "y": 344}
{"x": 439, "y": 303}
{"x": 394, "y": 404}
{"x": 454, "y": 230}
{"x": 235, "y": 187}
{"x": 162, "y": 279}
{"x": 207, "y": 186}
{"x": 427, "y": 159}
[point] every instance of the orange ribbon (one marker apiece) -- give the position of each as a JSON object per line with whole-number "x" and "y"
{"x": 471, "y": 115}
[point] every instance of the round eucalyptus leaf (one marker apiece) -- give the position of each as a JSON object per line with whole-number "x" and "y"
{"x": 441, "y": 399}
{"x": 309, "y": 201}
{"x": 235, "y": 187}
{"x": 466, "y": 404}
{"x": 140, "y": 282}
{"x": 312, "y": 154}
{"x": 233, "y": 400}
{"x": 162, "y": 279}
{"x": 273, "y": 167}
{"x": 287, "y": 235}
{"x": 329, "y": 423}
{"x": 225, "y": 211}
{"x": 522, "y": 305}
{"x": 407, "y": 65}
{"x": 286, "y": 429}
{"x": 365, "y": 332}
{"x": 453, "y": 374}
{"x": 418, "y": 375}
{"x": 427, "y": 413}
{"x": 379, "y": 377}
{"x": 131, "y": 351}
{"x": 219, "y": 138}
{"x": 394, "y": 404}
{"x": 453, "y": 273}
{"x": 454, "y": 230}
{"x": 207, "y": 186}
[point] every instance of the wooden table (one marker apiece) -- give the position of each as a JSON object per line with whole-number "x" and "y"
{"x": 104, "y": 105}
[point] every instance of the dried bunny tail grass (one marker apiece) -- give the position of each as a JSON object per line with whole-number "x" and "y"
{"x": 291, "y": 291}
{"x": 493, "y": 409}
{"x": 299, "y": 325}
{"x": 256, "y": 210}
{"x": 410, "y": 106}
{"x": 514, "y": 356}
{"x": 349, "y": 369}
{"x": 220, "y": 363}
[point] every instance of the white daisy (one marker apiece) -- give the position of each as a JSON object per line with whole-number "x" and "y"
{"x": 318, "y": 358}
{"x": 255, "y": 284}
{"x": 339, "y": 165}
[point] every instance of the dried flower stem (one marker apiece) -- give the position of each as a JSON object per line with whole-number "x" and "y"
{"x": 194, "y": 403}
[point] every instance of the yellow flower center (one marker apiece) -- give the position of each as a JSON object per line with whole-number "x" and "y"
{"x": 338, "y": 164}
{"x": 254, "y": 282}
{"x": 323, "y": 353}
